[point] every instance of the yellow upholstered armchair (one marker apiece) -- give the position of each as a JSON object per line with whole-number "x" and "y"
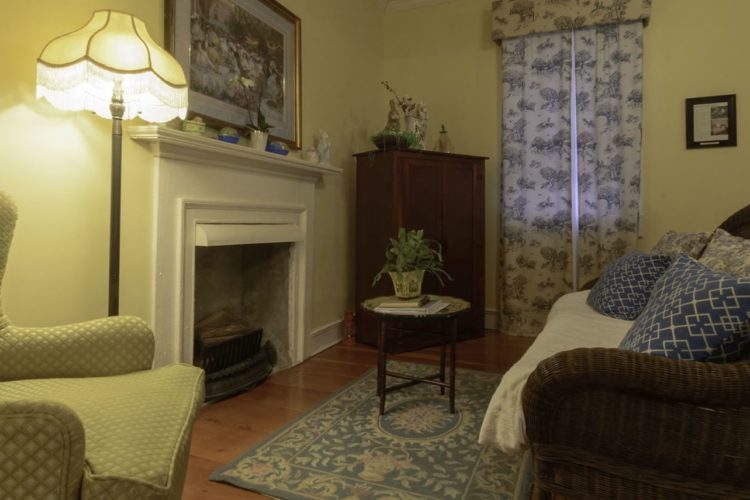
{"x": 83, "y": 415}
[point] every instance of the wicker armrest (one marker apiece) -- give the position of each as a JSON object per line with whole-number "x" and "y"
{"x": 107, "y": 346}
{"x": 683, "y": 418}
{"x": 42, "y": 447}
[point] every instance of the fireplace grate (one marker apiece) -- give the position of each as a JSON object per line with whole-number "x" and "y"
{"x": 234, "y": 364}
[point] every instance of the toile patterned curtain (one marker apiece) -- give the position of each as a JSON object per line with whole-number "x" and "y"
{"x": 565, "y": 218}
{"x": 608, "y": 79}
{"x": 536, "y": 231}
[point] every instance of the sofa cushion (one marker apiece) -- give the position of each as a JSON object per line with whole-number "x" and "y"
{"x": 137, "y": 427}
{"x": 674, "y": 243}
{"x": 728, "y": 254}
{"x": 694, "y": 313}
{"x": 625, "y": 287}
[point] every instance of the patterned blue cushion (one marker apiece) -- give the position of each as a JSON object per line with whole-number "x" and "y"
{"x": 694, "y": 313}
{"x": 625, "y": 287}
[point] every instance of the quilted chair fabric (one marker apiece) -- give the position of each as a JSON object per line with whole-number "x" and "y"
{"x": 42, "y": 450}
{"x": 83, "y": 415}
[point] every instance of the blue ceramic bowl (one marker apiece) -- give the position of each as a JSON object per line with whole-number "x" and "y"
{"x": 278, "y": 148}
{"x": 229, "y": 138}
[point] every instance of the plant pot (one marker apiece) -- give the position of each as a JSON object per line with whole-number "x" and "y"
{"x": 407, "y": 285}
{"x": 258, "y": 140}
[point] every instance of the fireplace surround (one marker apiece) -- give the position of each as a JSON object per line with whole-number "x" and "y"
{"x": 211, "y": 193}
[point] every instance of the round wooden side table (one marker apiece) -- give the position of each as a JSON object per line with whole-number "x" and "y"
{"x": 446, "y": 316}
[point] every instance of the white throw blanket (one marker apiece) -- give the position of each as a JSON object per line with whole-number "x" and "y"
{"x": 571, "y": 323}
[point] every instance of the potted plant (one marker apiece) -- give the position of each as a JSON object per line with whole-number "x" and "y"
{"x": 258, "y": 130}
{"x": 259, "y": 133}
{"x": 407, "y": 258}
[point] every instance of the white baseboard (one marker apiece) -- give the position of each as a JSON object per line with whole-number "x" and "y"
{"x": 325, "y": 337}
{"x": 491, "y": 321}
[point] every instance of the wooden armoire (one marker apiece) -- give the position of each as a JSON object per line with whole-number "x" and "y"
{"x": 439, "y": 192}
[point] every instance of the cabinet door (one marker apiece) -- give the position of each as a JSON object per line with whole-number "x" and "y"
{"x": 445, "y": 197}
{"x": 376, "y": 215}
{"x": 463, "y": 233}
{"x": 422, "y": 204}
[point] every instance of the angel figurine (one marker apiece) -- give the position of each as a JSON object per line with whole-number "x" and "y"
{"x": 323, "y": 148}
{"x": 394, "y": 118}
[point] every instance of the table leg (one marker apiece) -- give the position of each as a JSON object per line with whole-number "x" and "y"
{"x": 443, "y": 342}
{"x": 381, "y": 365}
{"x": 452, "y": 387}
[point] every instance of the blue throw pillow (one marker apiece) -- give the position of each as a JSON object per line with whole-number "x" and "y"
{"x": 694, "y": 313}
{"x": 625, "y": 287}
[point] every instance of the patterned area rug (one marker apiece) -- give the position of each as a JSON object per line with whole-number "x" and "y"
{"x": 342, "y": 449}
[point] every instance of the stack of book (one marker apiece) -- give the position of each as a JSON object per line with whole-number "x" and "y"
{"x": 418, "y": 306}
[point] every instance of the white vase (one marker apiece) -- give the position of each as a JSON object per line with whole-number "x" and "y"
{"x": 258, "y": 140}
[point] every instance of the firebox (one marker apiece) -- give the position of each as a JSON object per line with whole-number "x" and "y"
{"x": 242, "y": 311}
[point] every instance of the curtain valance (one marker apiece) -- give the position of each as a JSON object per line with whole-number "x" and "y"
{"x": 512, "y": 18}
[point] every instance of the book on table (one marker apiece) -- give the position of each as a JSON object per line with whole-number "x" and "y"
{"x": 397, "y": 302}
{"x": 429, "y": 307}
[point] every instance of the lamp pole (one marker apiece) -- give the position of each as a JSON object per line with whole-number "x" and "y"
{"x": 117, "y": 108}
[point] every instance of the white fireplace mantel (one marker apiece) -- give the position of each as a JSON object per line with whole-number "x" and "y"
{"x": 201, "y": 183}
{"x": 175, "y": 144}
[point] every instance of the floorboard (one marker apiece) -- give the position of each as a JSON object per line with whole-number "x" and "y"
{"x": 225, "y": 429}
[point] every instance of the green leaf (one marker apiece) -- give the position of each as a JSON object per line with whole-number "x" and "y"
{"x": 411, "y": 251}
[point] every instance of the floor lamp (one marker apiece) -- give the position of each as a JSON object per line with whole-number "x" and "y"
{"x": 112, "y": 67}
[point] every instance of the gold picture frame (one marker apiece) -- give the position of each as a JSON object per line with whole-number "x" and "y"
{"x": 239, "y": 57}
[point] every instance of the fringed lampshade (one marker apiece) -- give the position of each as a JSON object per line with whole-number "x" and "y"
{"x": 79, "y": 70}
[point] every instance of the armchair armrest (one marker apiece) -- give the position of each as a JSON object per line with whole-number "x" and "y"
{"x": 42, "y": 450}
{"x": 107, "y": 346}
{"x": 682, "y": 422}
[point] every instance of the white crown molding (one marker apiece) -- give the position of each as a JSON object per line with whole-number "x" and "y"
{"x": 396, "y": 5}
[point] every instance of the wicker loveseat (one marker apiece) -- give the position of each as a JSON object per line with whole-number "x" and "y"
{"x": 608, "y": 423}
{"x": 83, "y": 415}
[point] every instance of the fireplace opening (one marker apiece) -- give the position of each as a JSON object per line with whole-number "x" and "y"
{"x": 243, "y": 316}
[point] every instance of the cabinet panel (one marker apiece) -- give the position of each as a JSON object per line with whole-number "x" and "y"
{"x": 440, "y": 193}
{"x": 463, "y": 228}
{"x": 421, "y": 180}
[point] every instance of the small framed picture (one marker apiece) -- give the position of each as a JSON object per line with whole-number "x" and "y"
{"x": 711, "y": 122}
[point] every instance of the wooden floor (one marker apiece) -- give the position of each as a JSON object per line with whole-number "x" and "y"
{"x": 225, "y": 429}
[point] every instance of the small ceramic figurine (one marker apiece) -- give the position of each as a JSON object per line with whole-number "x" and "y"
{"x": 394, "y": 119}
{"x": 323, "y": 148}
{"x": 311, "y": 154}
{"x": 444, "y": 143}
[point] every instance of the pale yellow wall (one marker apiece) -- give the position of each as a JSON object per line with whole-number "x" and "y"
{"x": 56, "y": 165}
{"x": 342, "y": 54}
{"x": 442, "y": 55}
{"x": 693, "y": 48}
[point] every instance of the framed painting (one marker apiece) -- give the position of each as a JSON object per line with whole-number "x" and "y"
{"x": 242, "y": 62}
{"x": 711, "y": 121}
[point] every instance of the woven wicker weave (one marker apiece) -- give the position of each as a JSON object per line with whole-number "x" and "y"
{"x": 606, "y": 423}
